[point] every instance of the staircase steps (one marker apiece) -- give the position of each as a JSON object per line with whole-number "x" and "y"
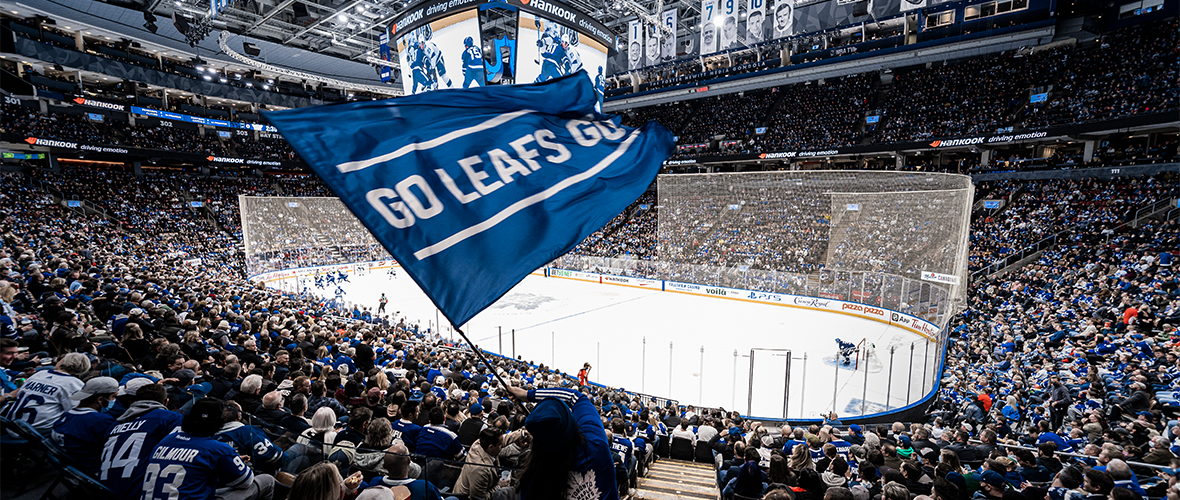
{"x": 671, "y": 479}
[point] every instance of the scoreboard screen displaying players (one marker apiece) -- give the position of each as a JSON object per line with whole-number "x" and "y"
{"x": 464, "y": 44}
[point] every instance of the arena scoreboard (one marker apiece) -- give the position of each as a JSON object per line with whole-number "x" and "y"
{"x": 449, "y": 44}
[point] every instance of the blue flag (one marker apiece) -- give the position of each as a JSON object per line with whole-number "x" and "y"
{"x": 471, "y": 190}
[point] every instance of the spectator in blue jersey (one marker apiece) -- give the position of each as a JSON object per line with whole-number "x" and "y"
{"x": 749, "y": 478}
{"x": 192, "y": 464}
{"x": 130, "y": 443}
{"x": 855, "y": 435}
{"x": 358, "y": 420}
{"x": 437, "y": 442}
{"x": 570, "y": 455}
{"x": 320, "y": 399}
{"x": 1047, "y": 435}
{"x": 843, "y": 447}
{"x": 624, "y": 448}
{"x": 397, "y": 463}
{"x": 82, "y": 431}
{"x": 404, "y": 428}
{"x": 252, "y": 441}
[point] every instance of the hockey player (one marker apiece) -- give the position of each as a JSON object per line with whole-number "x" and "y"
{"x": 381, "y": 304}
{"x": 553, "y": 56}
{"x": 434, "y": 62}
{"x": 473, "y": 71}
{"x": 569, "y": 42}
{"x": 846, "y": 351}
{"x": 417, "y": 60}
{"x": 600, "y": 87}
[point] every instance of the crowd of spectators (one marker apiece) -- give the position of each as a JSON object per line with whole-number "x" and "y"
{"x": 1043, "y": 208}
{"x": 815, "y": 116}
{"x": 1071, "y": 354}
{"x": 1126, "y": 72}
{"x": 139, "y": 338}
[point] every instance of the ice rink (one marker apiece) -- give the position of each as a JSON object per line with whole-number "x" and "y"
{"x": 690, "y": 348}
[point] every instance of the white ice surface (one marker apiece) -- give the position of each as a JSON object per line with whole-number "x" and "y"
{"x": 564, "y": 323}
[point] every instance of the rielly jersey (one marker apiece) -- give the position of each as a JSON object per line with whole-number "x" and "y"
{"x": 124, "y": 458}
{"x": 190, "y": 467}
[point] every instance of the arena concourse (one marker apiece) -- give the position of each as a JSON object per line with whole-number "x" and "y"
{"x": 144, "y": 355}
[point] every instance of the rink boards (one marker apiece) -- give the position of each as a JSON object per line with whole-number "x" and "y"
{"x": 889, "y": 317}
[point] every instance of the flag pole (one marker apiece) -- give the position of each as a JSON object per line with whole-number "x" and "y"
{"x": 485, "y": 361}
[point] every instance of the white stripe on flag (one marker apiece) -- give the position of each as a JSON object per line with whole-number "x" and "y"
{"x": 527, "y": 202}
{"x": 353, "y": 166}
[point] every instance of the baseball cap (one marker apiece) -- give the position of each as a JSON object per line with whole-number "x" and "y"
{"x": 854, "y": 428}
{"x": 992, "y": 477}
{"x": 96, "y": 385}
{"x": 904, "y": 442}
{"x": 185, "y": 374}
{"x": 133, "y": 385}
{"x": 476, "y": 409}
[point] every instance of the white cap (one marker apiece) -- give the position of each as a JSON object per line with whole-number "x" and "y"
{"x": 133, "y": 385}
{"x": 96, "y": 385}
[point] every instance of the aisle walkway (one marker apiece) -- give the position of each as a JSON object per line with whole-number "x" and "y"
{"x": 669, "y": 479}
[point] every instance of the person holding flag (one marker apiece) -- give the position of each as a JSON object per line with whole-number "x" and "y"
{"x": 490, "y": 184}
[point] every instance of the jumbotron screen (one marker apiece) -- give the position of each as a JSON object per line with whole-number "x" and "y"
{"x": 456, "y": 44}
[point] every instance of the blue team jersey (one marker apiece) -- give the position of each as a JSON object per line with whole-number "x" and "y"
{"x": 250, "y": 440}
{"x": 130, "y": 443}
{"x": 407, "y": 432}
{"x": 191, "y": 467}
{"x": 438, "y": 442}
{"x": 623, "y": 447}
{"x": 473, "y": 58}
{"x": 82, "y": 432}
{"x": 592, "y": 472}
{"x": 843, "y": 448}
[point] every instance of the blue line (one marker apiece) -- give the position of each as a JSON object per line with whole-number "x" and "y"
{"x": 575, "y": 314}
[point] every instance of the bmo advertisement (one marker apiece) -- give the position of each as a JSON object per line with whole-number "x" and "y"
{"x": 452, "y": 44}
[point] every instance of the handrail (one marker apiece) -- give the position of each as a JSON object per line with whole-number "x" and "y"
{"x": 1150, "y": 209}
{"x": 1051, "y": 240}
{"x": 644, "y": 399}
